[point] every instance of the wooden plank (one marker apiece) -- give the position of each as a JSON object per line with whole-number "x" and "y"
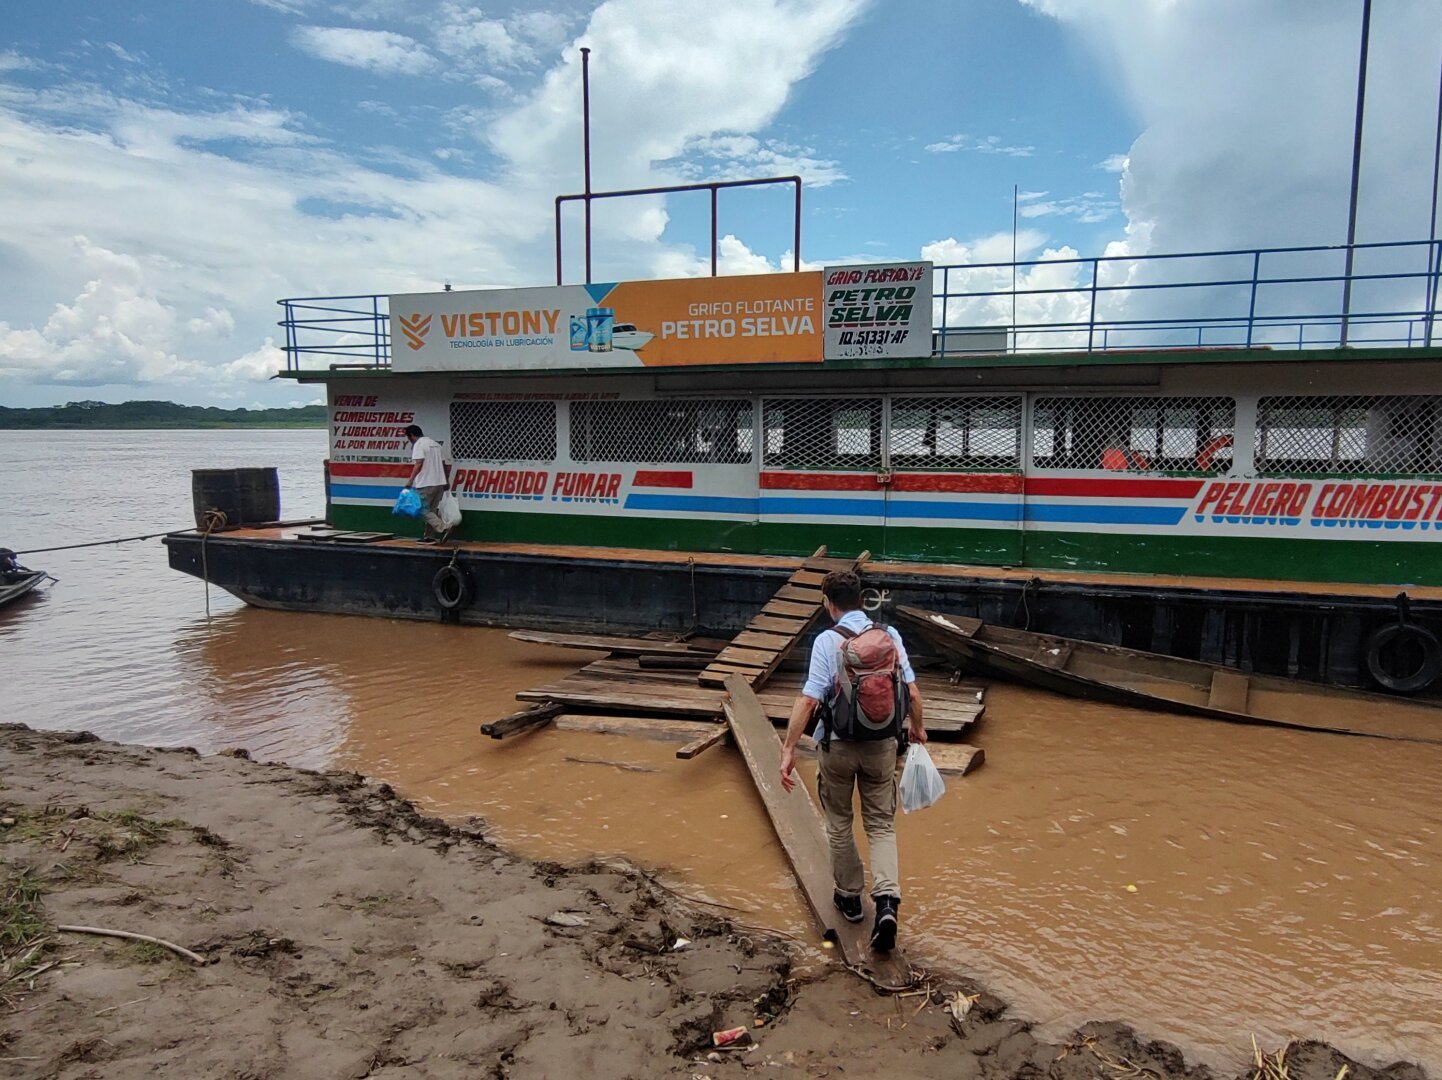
{"x": 703, "y": 743}
{"x": 636, "y": 700}
{"x": 789, "y": 608}
{"x": 666, "y": 662}
{"x": 956, "y": 759}
{"x": 625, "y": 646}
{"x": 776, "y": 624}
{"x": 807, "y": 577}
{"x": 755, "y": 639}
{"x": 646, "y": 727}
{"x": 715, "y": 674}
{"x": 826, "y": 566}
{"x": 799, "y": 827}
{"x": 657, "y": 684}
{"x": 690, "y": 701}
{"x": 524, "y": 720}
{"x": 799, "y": 595}
{"x": 752, "y": 657}
{"x": 1229, "y": 691}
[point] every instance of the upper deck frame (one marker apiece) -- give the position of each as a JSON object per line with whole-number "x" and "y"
{"x": 1245, "y": 301}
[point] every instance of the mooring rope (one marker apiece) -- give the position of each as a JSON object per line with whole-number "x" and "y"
{"x": 213, "y": 520}
{"x": 98, "y": 543}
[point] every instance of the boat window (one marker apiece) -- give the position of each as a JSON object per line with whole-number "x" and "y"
{"x": 698, "y": 432}
{"x": 957, "y": 433}
{"x": 1133, "y": 434}
{"x": 1347, "y": 436}
{"x": 503, "y": 430}
{"x": 837, "y": 434}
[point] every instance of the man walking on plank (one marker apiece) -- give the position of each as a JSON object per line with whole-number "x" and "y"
{"x": 861, "y": 683}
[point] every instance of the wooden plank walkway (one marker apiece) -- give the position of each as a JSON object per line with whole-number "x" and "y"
{"x": 621, "y": 685}
{"x": 799, "y": 827}
{"x": 769, "y": 637}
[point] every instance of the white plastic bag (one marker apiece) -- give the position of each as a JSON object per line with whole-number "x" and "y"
{"x": 921, "y": 784}
{"x": 449, "y": 510}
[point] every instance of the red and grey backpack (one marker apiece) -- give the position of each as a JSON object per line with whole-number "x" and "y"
{"x": 870, "y": 700}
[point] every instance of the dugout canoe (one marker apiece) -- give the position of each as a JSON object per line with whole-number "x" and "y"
{"x": 1119, "y": 676}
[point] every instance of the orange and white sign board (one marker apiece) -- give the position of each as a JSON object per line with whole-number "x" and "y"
{"x": 756, "y": 319}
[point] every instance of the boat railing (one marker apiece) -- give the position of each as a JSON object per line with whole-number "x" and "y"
{"x": 343, "y": 331}
{"x": 1283, "y": 298}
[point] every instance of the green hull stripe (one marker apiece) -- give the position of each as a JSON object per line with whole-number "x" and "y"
{"x": 1364, "y": 561}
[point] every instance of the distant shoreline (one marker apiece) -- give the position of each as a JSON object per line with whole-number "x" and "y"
{"x": 155, "y": 416}
{"x": 258, "y": 425}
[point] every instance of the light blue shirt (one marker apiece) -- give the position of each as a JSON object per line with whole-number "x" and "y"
{"x": 826, "y": 656}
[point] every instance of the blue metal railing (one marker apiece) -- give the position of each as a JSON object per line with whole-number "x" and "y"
{"x": 1274, "y": 298}
{"x": 356, "y": 335}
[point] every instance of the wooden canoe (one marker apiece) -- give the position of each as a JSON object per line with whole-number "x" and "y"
{"x": 1146, "y": 680}
{"x": 24, "y": 583}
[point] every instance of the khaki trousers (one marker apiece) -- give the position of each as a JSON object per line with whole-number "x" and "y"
{"x": 869, "y": 767}
{"x": 430, "y": 499}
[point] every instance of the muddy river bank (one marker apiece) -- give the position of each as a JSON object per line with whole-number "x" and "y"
{"x": 336, "y": 932}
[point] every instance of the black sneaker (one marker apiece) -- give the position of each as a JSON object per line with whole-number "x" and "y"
{"x": 849, "y": 906}
{"x": 426, "y": 540}
{"x": 883, "y": 934}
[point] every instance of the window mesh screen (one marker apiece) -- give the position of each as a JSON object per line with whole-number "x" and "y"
{"x": 698, "y": 432}
{"x": 955, "y": 433}
{"x": 1133, "y": 434}
{"x": 503, "y": 430}
{"x": 1349, "y": 435}
{"x": 822, "y": 433}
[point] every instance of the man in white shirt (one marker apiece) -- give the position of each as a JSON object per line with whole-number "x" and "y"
{"x": 847, "y": 765}
{"x": 430, "y": 476}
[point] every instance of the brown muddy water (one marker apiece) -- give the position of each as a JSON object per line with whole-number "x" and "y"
{"x": 1286, "y": 883}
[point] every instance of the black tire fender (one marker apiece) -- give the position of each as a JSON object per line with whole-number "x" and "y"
{"x": 452, "y": 586}
{"x": 1420, "y": 646}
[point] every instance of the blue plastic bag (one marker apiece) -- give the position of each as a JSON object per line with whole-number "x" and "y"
{"x": 408, "y": 504}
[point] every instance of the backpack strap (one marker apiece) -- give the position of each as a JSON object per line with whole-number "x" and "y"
{"x": 845, "y": 631}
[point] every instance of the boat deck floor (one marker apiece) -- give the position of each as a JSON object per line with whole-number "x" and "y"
{"x": 295, "y": 533}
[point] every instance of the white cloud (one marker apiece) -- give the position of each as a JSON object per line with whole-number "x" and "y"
{"x": 1049, "y": 291}
{"x": 1113, "y": 163}
{"x": 116, "y": 330}
{"x": 197, "y": 220}
{"x": 699, "y": 69}
{"x": 381, "y": 51}
{"x": 122, "y": 53}
{"x": 13, "y": 61}
{"x": 733, "y": 257}
{"x": 740, "y": 157}
{"x": 468, "y": 30}
{"x": 1247, "y": 113}
{"x": 1088, "y": 208}
{"x": 285, "y": 7}
{"x": 259, "y": 364}
{"x": 989, "y": 144}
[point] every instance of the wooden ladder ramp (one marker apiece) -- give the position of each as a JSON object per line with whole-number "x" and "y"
{"x": 773, "y": 633}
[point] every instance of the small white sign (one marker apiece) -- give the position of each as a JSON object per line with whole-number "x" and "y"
{"x": 878, "y": 310}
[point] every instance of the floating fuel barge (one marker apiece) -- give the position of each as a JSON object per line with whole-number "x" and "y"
{"x": 1226, "y": 485}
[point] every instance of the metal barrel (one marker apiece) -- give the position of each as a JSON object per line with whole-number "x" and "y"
{"x": 244, "y": 496}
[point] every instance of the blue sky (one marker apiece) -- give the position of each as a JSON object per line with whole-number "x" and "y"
{"x": 169, "y": 169}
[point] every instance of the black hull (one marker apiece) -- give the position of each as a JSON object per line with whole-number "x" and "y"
{"x": 1309, "y": 636}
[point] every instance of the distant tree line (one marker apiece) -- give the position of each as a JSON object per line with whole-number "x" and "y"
{"x": 158, "y": 414}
